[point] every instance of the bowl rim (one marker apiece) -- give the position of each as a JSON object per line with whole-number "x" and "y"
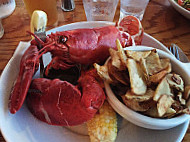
{"x": 140, "y": 119}
{"x": 176, "y": 5}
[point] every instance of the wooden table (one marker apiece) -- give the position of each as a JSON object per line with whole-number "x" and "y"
{"x": 160, "y": 21}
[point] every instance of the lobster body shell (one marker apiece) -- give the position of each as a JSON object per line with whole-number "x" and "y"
{"x": 87, "y": 46}
{"x": 58, "y": 102}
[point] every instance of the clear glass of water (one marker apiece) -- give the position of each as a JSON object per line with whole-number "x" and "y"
{"x": 133, "y": 7}
{"x": 6, "y": 8}
{"x": 100, "y": 10}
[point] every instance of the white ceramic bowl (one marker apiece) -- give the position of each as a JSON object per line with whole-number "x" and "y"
{"x": 140, "y": 119}
{"x": 180, "y": 9}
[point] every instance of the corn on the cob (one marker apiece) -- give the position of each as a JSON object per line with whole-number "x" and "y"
{"x": 103, "y": 126}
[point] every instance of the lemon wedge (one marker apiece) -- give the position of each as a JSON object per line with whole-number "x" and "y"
{"x": 38, "y": 21}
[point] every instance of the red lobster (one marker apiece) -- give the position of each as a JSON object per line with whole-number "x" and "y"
{"x": 59, "y": 102}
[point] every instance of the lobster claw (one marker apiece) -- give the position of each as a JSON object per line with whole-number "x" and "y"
{"x": 28, "y": 66}
{"x": 60, "y": 103}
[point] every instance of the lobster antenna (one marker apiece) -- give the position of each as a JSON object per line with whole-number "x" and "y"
{"x": 43, "y": 50}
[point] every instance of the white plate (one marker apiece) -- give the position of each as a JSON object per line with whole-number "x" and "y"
{"x": 23, "y": 127}
{"x": 180, "y": 9}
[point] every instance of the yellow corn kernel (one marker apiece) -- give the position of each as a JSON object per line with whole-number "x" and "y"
{"x": 103, "y": 126}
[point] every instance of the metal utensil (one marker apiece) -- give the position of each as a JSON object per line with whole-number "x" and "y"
{"x": 174, "y": 51}
{"x": 42, "y": 36}
{"x": 178, "y": 53}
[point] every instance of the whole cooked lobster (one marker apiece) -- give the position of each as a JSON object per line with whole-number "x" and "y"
{"x": 59, "y": 102}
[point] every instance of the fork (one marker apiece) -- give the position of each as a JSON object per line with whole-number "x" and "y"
{"x": 42, "y": 36}
{"x": 174, "y": 50}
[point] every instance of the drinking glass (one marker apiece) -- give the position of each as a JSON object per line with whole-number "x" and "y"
{"x": 6, "y": 8}
{"x": 48, "y": 6}
{"x": 133, "y": 7}
{"x": 100, "y": 10}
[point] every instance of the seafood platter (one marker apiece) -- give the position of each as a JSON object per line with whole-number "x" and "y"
{"x": 70, "y": 87}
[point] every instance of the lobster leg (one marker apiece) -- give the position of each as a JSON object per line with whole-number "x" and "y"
{"x": 28, "y": 65}
{"x": 60, "y": 103}
{"x": 59, "y": 62}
